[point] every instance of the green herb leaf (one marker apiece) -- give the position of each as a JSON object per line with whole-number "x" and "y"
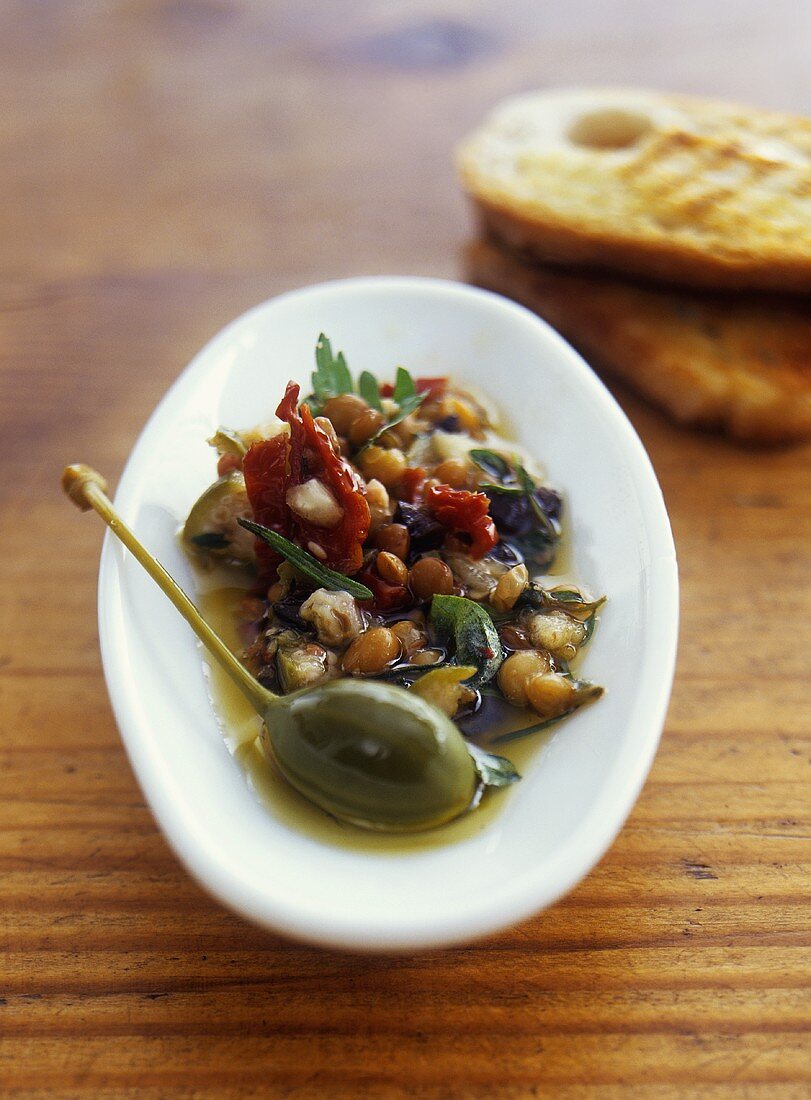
{"x": 514, "y": 735}
{"x": 529, "y": 487}
{"x": 490, "y": 462}
{"x": 466, "y": 628}
{"x": 403, "y": 386}
{"x": 331, "y": 376}
{"x": 309, "y": 565}
{"x": 560, "y": 599}
{"x": 369, "y": 390}
{"x": 494, "y": 771}
{"x": 585, "y": 692}
{"x": 505, "y": 490}
{"x": 409, "y": 404}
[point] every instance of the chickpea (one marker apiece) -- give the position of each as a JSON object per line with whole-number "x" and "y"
{"x": 410, "y": 635}
{"x": 326, "y": 426}
{"x": 394, "y": 538}
{"x": 380, "y": 508}
{"x": 365, "y": 426}
{"x": 426, "y": 657}
{"x": 430, "y": 577}
{"x": 394, "y": 437}
{"x": 387, "y": 467}
{"x": 510, "y": 586}
{"x": 516, "y": 673}
{"x": 343, "y": 409}
{"x": 550, "y": 694}
{"x": 391, "y": 568}
{"x": 372, "y": 651}
{"x": 454, "y": 472}
{"x": 558, "y": 632}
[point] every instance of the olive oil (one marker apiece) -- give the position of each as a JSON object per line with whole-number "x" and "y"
{"x": 219, "y": 595}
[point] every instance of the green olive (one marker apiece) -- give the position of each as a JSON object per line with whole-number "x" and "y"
{"x": 372, "y": 754}
{"x": 212, "y": 524}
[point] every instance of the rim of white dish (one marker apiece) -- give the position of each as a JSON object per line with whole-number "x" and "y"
{"x": 527, "y": 893}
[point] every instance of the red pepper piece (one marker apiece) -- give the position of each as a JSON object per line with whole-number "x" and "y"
{"x": 311, "y": 455}
{"x": 410, "y": 487}
{"x": 434, "y": 387}
{"x": 388, "y": 597}
{"x": 464, "y": 513}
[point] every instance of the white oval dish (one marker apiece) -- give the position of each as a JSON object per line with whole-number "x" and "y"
{"x": 578, "y": 790}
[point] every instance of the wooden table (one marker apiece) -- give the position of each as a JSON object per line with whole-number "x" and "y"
{"x": 163, "y": 166}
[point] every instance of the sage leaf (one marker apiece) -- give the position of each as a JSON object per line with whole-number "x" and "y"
{"x": 465, "y": 627}
{"x": 492, "y": 463}
{"x": 403, "y": 386}
{"x": 369, "y": 390}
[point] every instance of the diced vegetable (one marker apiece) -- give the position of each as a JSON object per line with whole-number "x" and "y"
{"x": 444, "y": 687}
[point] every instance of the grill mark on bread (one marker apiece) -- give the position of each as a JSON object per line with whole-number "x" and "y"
{"x": 709, "y": 194}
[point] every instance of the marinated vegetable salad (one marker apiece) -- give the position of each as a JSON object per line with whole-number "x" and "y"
{"x": 391, "y": 534}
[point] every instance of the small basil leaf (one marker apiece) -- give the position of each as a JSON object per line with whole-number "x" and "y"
{"x": 490, "y": 462}
{"x": 465, "y": 627}
{"x": 504, "y": 490}
{"x": 494, "y": 771}
{"x": 304, "y": 561}
{"x": 369, "y": 390}
{"x": 403, "y": 386}
{"x": 331, "y": 376}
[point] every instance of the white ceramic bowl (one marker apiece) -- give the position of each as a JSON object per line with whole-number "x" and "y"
{"x": 577, "y": 791}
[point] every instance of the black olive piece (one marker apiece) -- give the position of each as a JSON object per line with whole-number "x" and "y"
{"x": 288, "y": 611}
{"x": 449, "y": 424}
{"x": 425, "y": 532}
{"x": 550, "y": 501}
{"x": 506, "y": 553}
{"x": 511, "y": 514}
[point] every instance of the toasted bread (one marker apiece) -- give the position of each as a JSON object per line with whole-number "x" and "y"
{"x": 670, "y": 187}
{"x": 739, "y": 363}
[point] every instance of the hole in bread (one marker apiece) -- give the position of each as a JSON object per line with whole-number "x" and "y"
{"x": 610, "y": 128}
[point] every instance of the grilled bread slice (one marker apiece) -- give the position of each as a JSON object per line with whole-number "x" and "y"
{"x": 736, "y": 362}
{"x": 671, "y": 187}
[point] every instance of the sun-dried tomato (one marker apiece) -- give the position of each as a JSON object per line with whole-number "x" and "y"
{"x": 463, "y": 513}
{"x": 265, "y": 470}
{"x": 312, "y": 455}
{"x": 273, "y": 466}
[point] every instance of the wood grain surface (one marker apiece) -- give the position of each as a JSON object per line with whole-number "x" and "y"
{"x": 163, "y": 166}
